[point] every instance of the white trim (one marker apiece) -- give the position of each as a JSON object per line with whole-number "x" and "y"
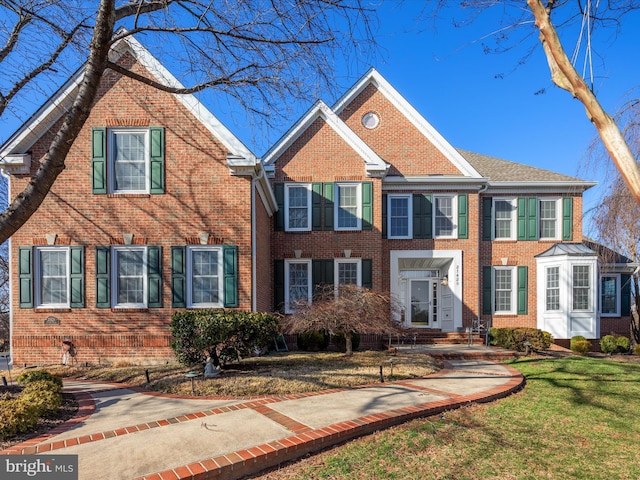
{"x": 37, "y": 269}
{"x": 336, "y": 273}
{"x": 114, "y": 276}
{"x": 374, "y": 165}
{"x": 336, "y": 207}
{"x": 111, "y": 162}
{"x": 431, "y": 134}
{"x": 514, "y": 218}
{"x": 514, "y": 289}
{"x": 454, "y": 215}
{"x": 307, "y": 187}
{"x": 189, "y": 271}
{"x": 287, "y": 263}
{"x": 558, "y": 219}
{"x": 409, "y": 198}
{"x": 618, "y": 293}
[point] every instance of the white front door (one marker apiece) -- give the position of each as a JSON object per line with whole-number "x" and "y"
{"x": 423, "y": 303}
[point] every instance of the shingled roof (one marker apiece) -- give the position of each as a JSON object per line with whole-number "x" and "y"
{"x": 497, "y": 170}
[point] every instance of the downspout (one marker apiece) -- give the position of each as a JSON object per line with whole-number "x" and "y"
{"x": 479, "y": 307}
{"x": 10, "y": 261}
{"x": 254, "y": 302}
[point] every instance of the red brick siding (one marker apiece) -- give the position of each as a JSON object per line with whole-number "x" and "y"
{"x": 201, "y": 196}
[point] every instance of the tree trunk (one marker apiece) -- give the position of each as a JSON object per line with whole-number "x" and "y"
{"x": 348, "y": 344}
{"x": 566, "y": 77}
{"x": 28, "y": 201}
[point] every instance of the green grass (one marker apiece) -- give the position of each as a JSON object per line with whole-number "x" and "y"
{"x": 577, "y": 418}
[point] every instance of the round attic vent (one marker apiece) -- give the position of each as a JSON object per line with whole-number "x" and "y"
{"x": 370, "y": 120}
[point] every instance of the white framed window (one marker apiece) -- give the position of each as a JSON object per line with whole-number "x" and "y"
{"x": 348, "y": 211}
{"x": 129, "y": 160}
{"x": 552, "y": 293}
{"x": 504, "y": 218}
{"x": 52, "y": 277}
{"x": 444, "y": 216}
{"x": 297, "y": 284}
{"x": 130, "y": 284}
{"x": 549, "y": 218}
{"x": 399, "y": 216}
{"x": 348, "y": 271}
{"x": 204, "y": 274}
{"x": 504, "y": 292}
{"x": 581, "y": 287}
{"x": 297, "y": 207}
{"x": 610, "y": 295}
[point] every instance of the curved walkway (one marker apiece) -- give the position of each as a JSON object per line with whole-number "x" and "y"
{"x": 121, "y": 433}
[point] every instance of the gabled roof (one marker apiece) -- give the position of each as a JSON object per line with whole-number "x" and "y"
{"x": 506, "y": 173}
{"x": 374, "y": 165}
{"x": 44, "y": 118}
{"x": 372, "y": 77}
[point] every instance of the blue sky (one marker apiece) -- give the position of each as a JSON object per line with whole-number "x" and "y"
{"x": 480, "y": 102}
{"x": 487, "y": 103}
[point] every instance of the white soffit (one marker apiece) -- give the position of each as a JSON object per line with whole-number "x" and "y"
{"x": 374, "y": 164}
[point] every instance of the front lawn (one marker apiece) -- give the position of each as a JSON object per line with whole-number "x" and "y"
{"x": 577, "y": 418}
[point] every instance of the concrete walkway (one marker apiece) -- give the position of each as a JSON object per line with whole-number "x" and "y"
{"x": 123, "y": 434}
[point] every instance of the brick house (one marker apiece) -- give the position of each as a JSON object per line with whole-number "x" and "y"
{"x": 161, "y": 208}
{"x": 370, "y": 193}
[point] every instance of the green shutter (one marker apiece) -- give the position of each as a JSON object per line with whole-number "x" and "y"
{"x": 103, "y": 277}
{"x": 384, "y": 216}
{"x": 463, "y": 215}
{"x": 625, "y": 295}
{"x": 156, "y": 160}
{"x": 328, "y": 205}
{"x": 523, "y": 293}
{"x": 278, "y": 191}
{"x": 230, "y": 273}
{"x": 77, "y": 277}
{"x": 367, "y": 273}
{"x": 487, "y": 281}
{"x": 422, "y": 219}
{"x": 178, "y": 277}
{"x": 25, "y": 276}
{"x": 532, "y": 218}
{"x": 154, "y": 277}
{"x": 567, "y": 218}
{"x": 367, "y": 205}
{"x": 522, "y": 218}
{"x": 316, "y": 206}
{"x": 278, "y": 284}
{"x": 487, "y": 205}
{"x": 322, "y": 272}
{"x": 99, "y": 160}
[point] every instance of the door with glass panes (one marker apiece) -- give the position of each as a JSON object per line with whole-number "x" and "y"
{"x": 423, "y": 303}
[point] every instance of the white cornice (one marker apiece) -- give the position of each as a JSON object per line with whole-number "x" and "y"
{"x": 374, "y": 165}
{"x": 433, "y": 182}
{"x": 430, "y": 133}
{"x": 538, "y": 187}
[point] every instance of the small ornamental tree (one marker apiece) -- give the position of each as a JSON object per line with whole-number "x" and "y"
{"x": 345, "y": 310}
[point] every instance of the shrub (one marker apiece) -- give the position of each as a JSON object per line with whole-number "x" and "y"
{"x": 516, "y": 338}
{"x": 36, "y": 375}
{"x": 581, "y": 346}
{"x": 224, "y": 335}
{"x": 624, "y": 344}
{"x": 636, "y": 350}
{"x": 44, "y": 395}
{"x": 341, "y": 343}
{"x": 313, "y": 340}
{"x": 608, "y": 344}
{"x": 16, "y": 416}
{"x": 576, "y": 338}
